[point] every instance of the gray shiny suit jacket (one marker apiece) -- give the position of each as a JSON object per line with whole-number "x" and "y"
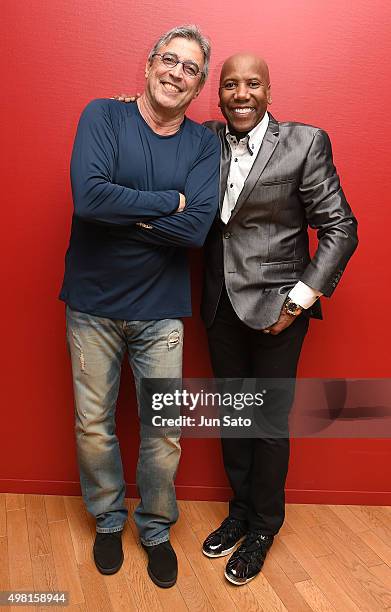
{"x": 263, "y": 251}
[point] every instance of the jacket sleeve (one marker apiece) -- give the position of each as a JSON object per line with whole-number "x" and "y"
{"x": 96, "y": 197}
{"x": 328, "y": 212}
{"x": 189, "y": 228}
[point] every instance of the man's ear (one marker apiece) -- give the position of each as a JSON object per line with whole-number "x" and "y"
{"x": 269, "y": 95}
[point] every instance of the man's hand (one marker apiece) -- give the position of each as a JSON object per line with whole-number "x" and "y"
{"x": 284, "y": 321}
{"x": 126, "y": 97}
{"x": 182, "y": 203}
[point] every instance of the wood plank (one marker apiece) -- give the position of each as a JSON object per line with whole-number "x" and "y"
{"x": 282, "y": 585}
{"x": 315, "y": 514}
{"x": 194, "y": 516}
{"x": 3, "y": 516}
{"x": 359, "y": 584}
{"x": 14, "y": 501}
{"x": 383, "y": 533}
{"x": 171, "y": 599}
{"x": 205, "y": 509}
{"x": 244, "y": 598}
{"x": 338, "y": 537}
{"x": 210, "y": 572}
{"x": 44, "y": 573}
{"x": 82, "y": 535}
{"x": 383, "y": 513}
{"x": 38, "y": 529}
{"x": 383, "y": 575}
{"x": 20, "y": 570}
{"x": 220, "y": 510}
{"x": 297, "y": 520}
{"x": 208, "y": 516}
{"x": 94, "y": 588}
{"x": 121, "y": 597}
{"x": 65, "y": 561}
{"x": 286, "y": 528}
{"x": 362, "y": 581}
{"x": 374, "y": 519}
{"x": 381, "y": 548}
{"x": 4, "y": 565}
{"x": 314, "y": 596}
{"x": 288, "y": 562}
{"x": 348, "y": 517}
{"x": 55, "y": 508}
{"x": 318, "y": 572}
{"x": 266, "y": 595}
{"x": 209, "y": 575}
{"x": 188, "y": 583}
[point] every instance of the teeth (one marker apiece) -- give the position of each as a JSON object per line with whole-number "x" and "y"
{"x": 171, "y": 87}
{"x": 243, "y": 111}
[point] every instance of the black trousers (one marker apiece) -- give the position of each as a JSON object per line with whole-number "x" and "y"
{"x": 256, "y": 467}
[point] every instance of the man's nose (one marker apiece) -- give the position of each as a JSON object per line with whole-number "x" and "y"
{"x": 241, "y": 91}
{"x": 177, "y": 71}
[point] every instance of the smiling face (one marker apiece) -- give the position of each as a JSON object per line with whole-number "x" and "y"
{"x": 244, "y": 91}
{"x": 170, "y": 88}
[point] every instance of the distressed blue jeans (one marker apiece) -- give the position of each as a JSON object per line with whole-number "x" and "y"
{"x": 97, "y": 347}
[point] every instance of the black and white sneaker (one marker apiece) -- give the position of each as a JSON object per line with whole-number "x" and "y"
{"x": 248, "y": 559}
{"x": 223, "y": 540}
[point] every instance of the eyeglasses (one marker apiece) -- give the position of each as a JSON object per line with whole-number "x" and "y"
{"x": 191, "y": 69}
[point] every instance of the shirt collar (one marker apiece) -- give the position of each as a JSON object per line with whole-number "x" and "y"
{"x": 254, "y": 137}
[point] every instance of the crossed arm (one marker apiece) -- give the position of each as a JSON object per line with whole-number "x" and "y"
{"x": 164, "y": 217}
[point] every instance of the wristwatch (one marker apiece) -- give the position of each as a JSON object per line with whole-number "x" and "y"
{"x": 292, "y": 308}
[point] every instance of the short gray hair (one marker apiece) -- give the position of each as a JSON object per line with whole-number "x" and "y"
{"x": 190, "y": 32}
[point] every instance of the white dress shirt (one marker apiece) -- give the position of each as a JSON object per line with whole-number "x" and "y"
{"x": 243, "y": 155}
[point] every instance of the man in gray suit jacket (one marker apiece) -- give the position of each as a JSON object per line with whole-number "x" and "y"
{"x": 261, "y": 285}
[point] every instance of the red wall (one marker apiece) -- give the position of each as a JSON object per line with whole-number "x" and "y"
{"x": 329, "y": 64}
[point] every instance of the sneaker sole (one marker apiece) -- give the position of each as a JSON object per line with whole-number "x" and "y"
{"x": 239, "y": 583}
{"x": 224, "y": 553}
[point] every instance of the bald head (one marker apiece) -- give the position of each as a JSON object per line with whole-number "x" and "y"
{"x": 244, "y": 91}
{"x": 243, "y": 61}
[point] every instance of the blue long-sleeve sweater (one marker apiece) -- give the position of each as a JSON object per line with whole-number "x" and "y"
{"x": 123, "y": 173}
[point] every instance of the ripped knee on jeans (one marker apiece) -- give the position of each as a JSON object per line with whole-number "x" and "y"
{"x": 79, "y": 348}
{"x": 173, "y": 339}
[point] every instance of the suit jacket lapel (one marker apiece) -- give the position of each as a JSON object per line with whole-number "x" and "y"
{"x": 268, "y": 145}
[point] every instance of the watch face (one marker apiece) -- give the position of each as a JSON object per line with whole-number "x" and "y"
{"x": 291, "y": 307}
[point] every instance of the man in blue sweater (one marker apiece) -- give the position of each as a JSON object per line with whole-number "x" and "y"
{"x": 145, "y": 187}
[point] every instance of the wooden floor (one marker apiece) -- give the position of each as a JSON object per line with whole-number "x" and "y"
{"x": 325, "y": 558}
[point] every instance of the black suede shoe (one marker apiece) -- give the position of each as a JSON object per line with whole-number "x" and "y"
{"x": 108, "y": 555}
{"x": 248, "y": 559}
{"x": 162, "y": 564}
{"x": 223, "y": 540}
